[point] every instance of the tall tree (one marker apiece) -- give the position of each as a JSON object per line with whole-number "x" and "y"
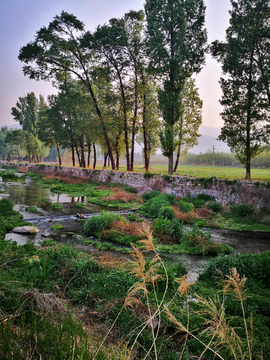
{"x": 57, "y": 48}
{"x": 245, "y": 86}
{"x": 187, "y": 128}
{"x": 26, "y": 112}
{"x": 176, "y": 44}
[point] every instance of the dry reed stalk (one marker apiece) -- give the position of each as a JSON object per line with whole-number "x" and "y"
{"x": 132, "y": 228}
{"x": 122, "y": 195}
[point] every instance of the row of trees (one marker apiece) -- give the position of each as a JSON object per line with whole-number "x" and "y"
{"x": 132, "y": 79}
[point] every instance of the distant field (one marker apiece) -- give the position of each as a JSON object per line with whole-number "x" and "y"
{"x": 204, "y": 171}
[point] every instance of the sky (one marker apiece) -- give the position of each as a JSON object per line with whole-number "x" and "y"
{"x": 21, "y": 19}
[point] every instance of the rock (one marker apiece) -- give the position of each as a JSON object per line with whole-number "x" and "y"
{"x": 80, "y": 216}
{"x": 142, "y": 190}
{"x": 45, "y": 234}
{"x": 27, "y": 230}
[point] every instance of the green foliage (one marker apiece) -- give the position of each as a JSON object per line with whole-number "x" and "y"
{"x": 166, "y": 212}
{"x": 6, "y": 208}
{"x": 148, "y": 175}
{"x": 10, "y": 176}
{"x": 48, "y": 242}
{"x": 172, "y": 228}
{"x": 133, "y": 217}
{"x": 57, "y": 227}
{"x": 214, "y": 206}
{"x": 96, "y": 224}
{"x": 57, "y": 206}
{"x": 253, "y": 266}
{"x": 31, "y": 208}
{"x": 150, "y": 195}
{"x": 80, "y": 205}
{"x": 242, "y": 211}
{"x": 186, "y": 207}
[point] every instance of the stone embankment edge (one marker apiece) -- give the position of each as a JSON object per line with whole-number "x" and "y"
{"x": 224, "y": 191}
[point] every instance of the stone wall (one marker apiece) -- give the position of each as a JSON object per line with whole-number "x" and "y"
{"x": 234, "y": 191}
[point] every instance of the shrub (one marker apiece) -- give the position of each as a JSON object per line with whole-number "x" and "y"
{"x": 31, "y": 208}
{"x": 166, "y": 212}
{"x": 96, "y": 224}
{"x": 6, "y": 208}
{"x": 242, "y": 211}
{"x": 172, "y": 228}
{"x": 150, "y": 195}
{"x": 204, "y": 197}
{"x": 214, "y": 206}
{"x": 57, "y": 206}
{"x": 133, "y": 217}
{"x": 186, "y": 207}
{"x": 48, "y": 242}
{"x": 57, "y": 227}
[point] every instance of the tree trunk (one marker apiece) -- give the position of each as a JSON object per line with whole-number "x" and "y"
{"x": 73, "y": 155}
{"x": 89, "y": 153}
{"x": 82, "y": 152}
{"x": 104, "y": 129}
{"x": 95, "y": 156}
{"x": 105, "y": 160}
{"x": 248, "y": 177}
{"x": 145, "y": 136}
{"x": 29, "y": 154}
{"x": 134, "y": 123}
{"x": 78, "y": 153}
{"x": 59, "y": 155}
{"x": 177, "y": 159}
{"x": 109, "y": 164}
{"x": 170, "y": 163}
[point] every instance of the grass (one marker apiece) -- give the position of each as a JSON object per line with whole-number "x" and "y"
{"x": 59, "y": 296}
{"x": 221, "y": 172}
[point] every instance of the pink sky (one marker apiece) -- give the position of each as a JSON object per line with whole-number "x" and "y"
{"x": 20, "y": 19}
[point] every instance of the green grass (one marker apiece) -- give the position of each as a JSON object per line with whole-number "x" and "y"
{"x": 221, "y": 172}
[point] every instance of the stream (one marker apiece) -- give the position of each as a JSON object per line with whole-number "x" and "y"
{"x": 31, "y": 194}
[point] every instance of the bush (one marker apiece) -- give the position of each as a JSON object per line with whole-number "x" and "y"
{"x": 57, "y": 227}
{"x": 133, "y": 217}
{"x": 172, "y": 228}
{"x": 244, "y": 263}
{"x": 242, "y": 211}
{"x": 96, "y": 224}
{"x": 6, "y": 208}
{"x": 150, "y": 195}
{"x": 166, "y": 212}
{"x": 186, "y": 207}
{"x": 31, "y": 208}
{"x": 214, "y": 206}
{"x": 57, "y": 206}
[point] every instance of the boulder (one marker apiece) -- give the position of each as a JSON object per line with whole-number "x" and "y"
{"x": 45, "y": 233}
{"x": 26, "y": 230}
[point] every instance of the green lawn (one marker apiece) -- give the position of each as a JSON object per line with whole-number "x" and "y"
{"x": 206, "y": 171}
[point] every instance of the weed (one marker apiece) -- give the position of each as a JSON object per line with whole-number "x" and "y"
{"x": 80, "y": 205}
{"x": 96, "y": 224}
{"x": 31, "y": 208}
{"x": 57, "y": 227}
{"x": 48, "y": 242}
{"x": 57, "y": 206}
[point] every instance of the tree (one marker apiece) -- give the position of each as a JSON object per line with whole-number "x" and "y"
{"x": 26, "y": 112}
{"x": 57, "y": 49}
{"x": 187, "y": 128}
{"x": 176, "y": 43}
{"x": 3, "y": 134}
{"x": 245, "y": 86}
